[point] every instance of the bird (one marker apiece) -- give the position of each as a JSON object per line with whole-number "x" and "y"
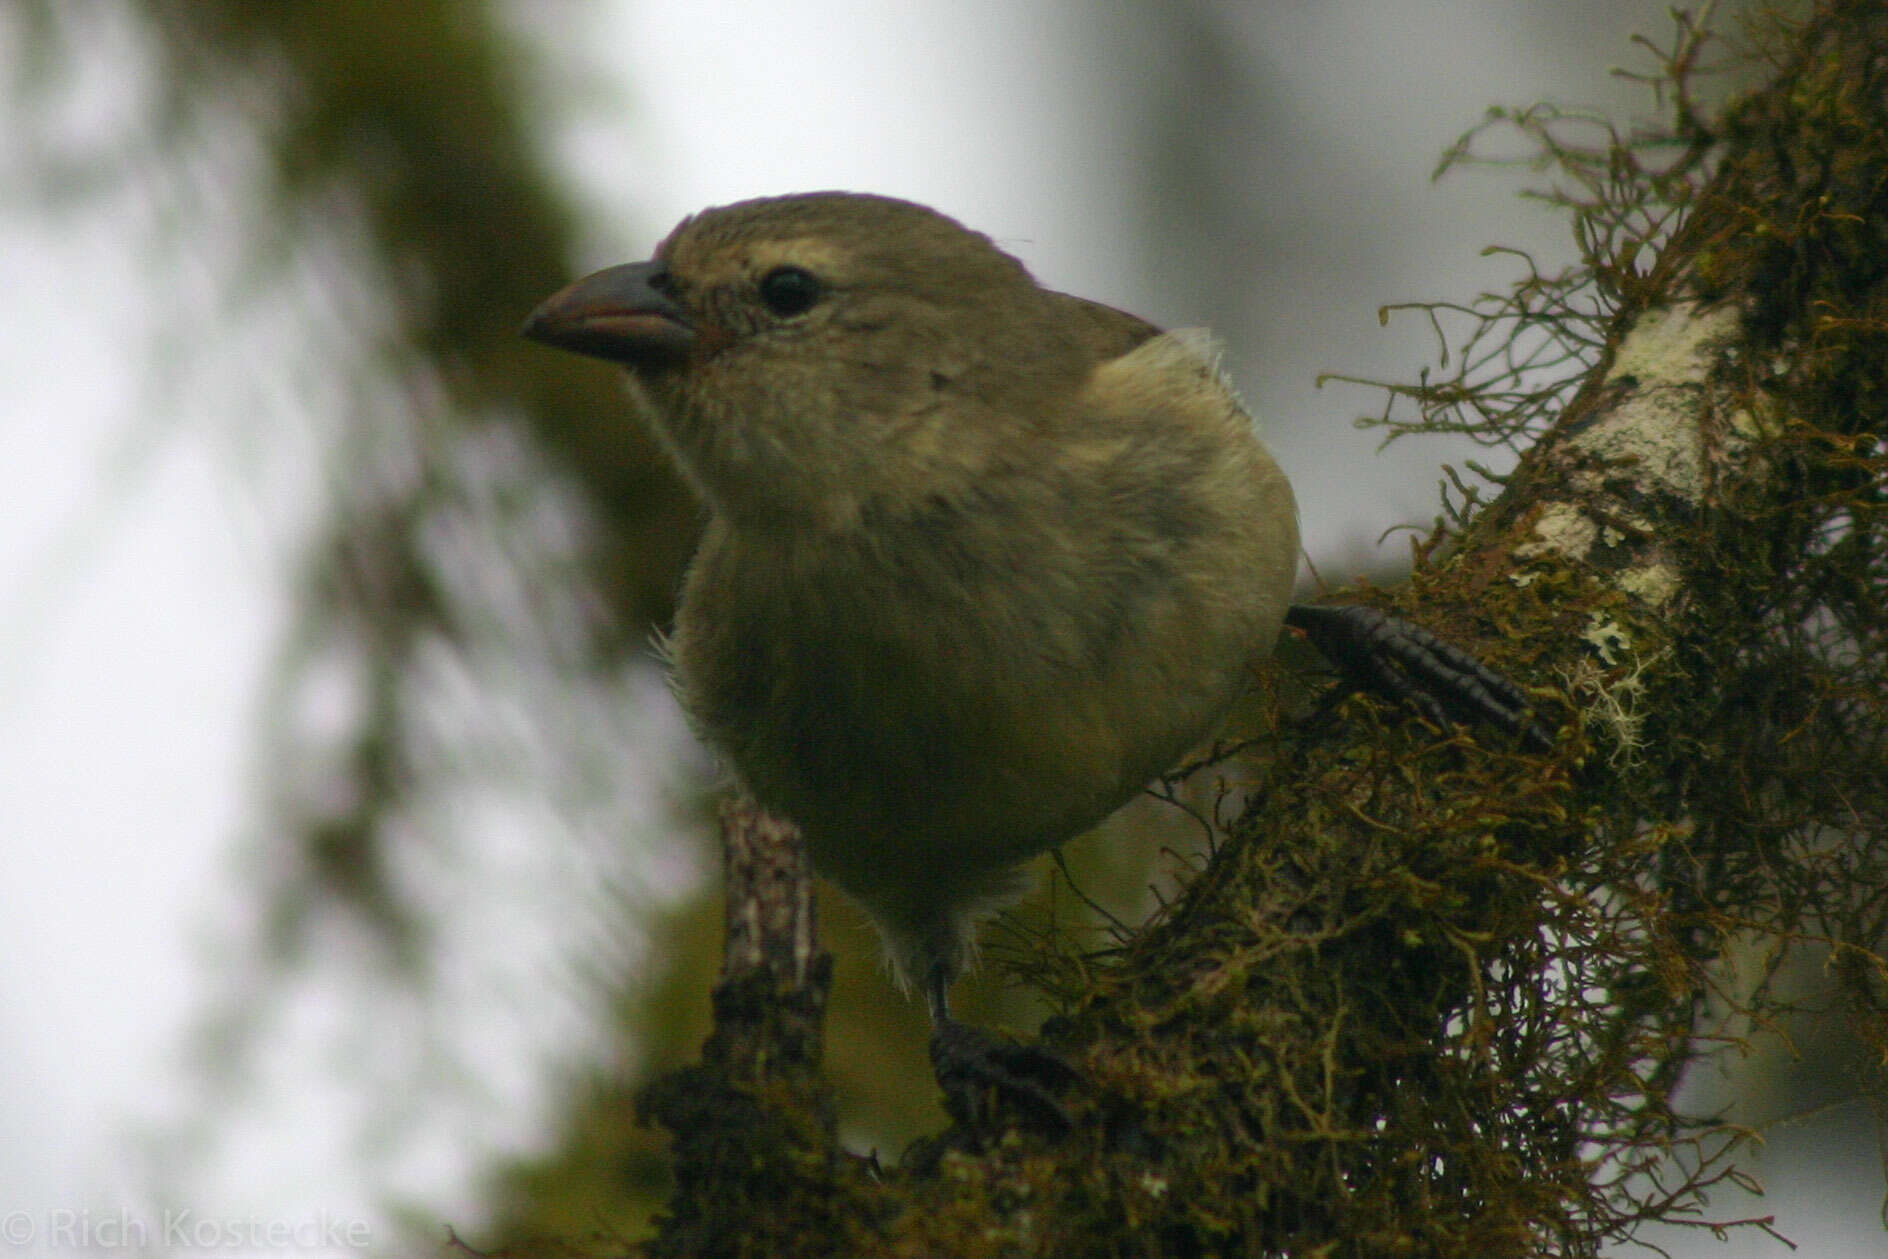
{"x": 981, "y": 558}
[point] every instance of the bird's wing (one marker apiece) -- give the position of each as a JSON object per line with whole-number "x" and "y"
{"x": 1106, "y": 332}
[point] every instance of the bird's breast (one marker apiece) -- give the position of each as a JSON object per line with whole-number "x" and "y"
{"x": 958, "y": 676}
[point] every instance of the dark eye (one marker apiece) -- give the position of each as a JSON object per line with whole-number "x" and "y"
{"x": 789, "y": 290}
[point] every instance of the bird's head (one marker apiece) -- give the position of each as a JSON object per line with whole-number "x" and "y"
{"x": 807, "y": 356}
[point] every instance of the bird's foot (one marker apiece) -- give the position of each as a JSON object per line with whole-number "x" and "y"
{"x": 1408, "y": 663}
{"x": 985, "y": 1076}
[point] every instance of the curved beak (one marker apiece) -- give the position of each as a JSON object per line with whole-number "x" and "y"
{"x": 620, "y": 314}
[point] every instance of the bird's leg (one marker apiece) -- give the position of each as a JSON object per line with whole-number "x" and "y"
{"x": 1409, "y": 663}
{"x": 983, "y": 1074}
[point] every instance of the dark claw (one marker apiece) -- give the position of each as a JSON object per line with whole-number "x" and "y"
{"x": 1408, "y": 663}
{"x": 984, "y": 1076}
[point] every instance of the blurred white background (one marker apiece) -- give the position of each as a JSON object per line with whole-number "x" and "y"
{"x": 142, "y": 600}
